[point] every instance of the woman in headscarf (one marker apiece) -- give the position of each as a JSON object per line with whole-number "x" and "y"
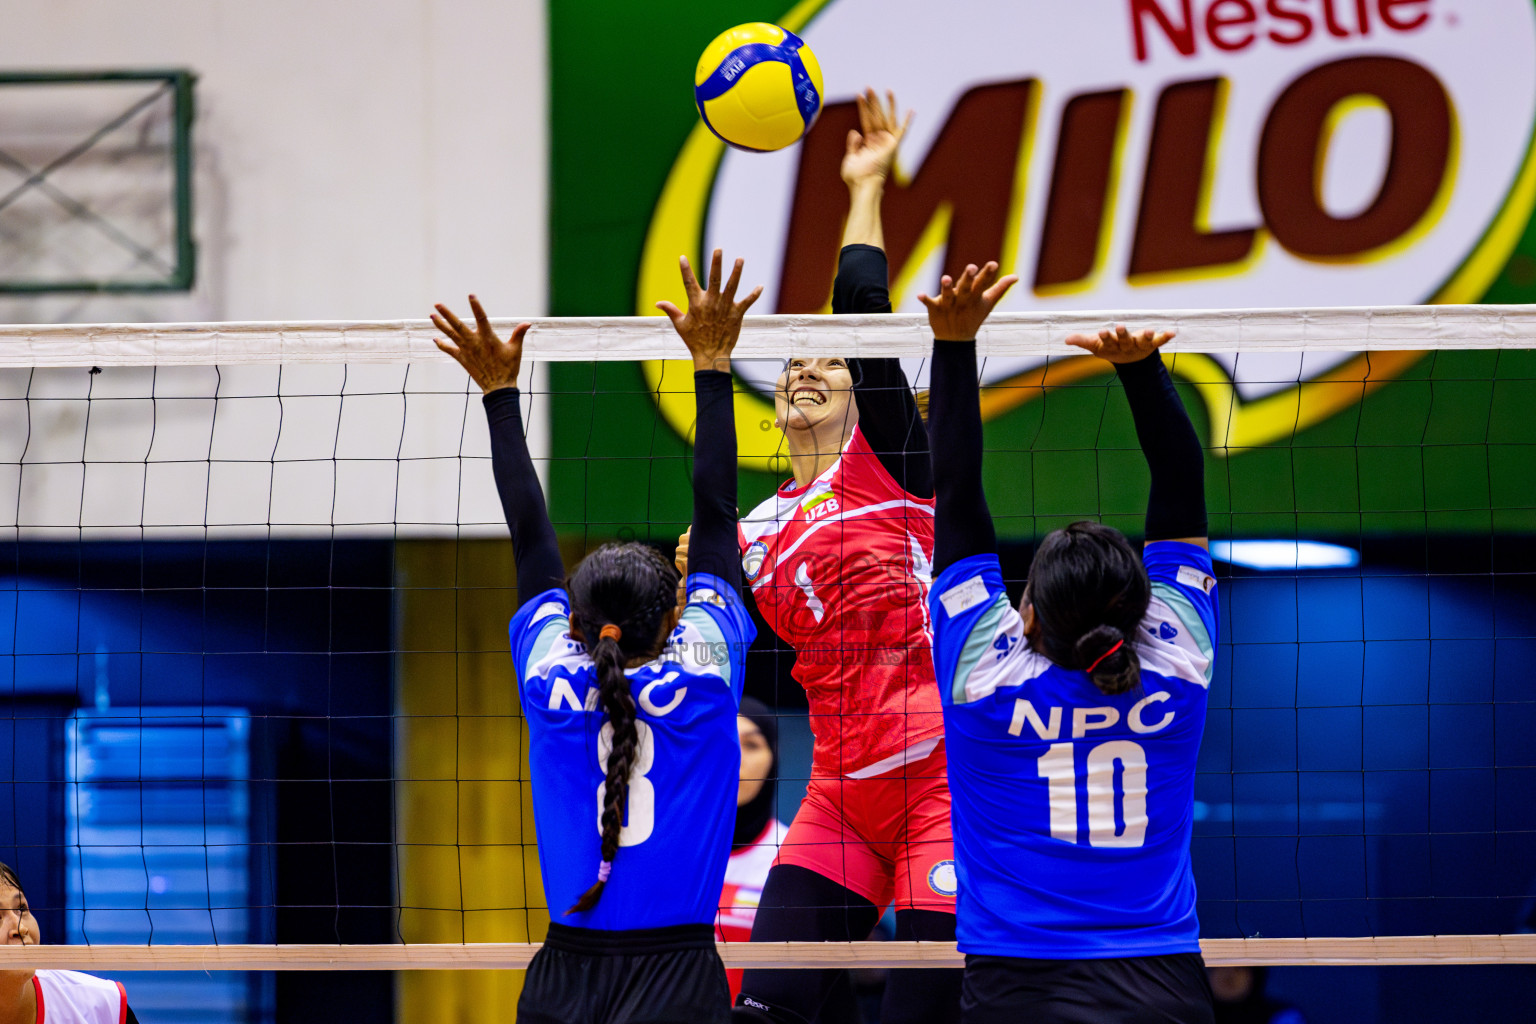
{"x": 758, "y": 830}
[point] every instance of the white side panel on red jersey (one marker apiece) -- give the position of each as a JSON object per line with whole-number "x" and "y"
{"x": 69, "y": 997}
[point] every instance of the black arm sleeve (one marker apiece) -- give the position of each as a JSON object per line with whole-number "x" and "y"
{"x": 888, "y": 413}
{"x": 861, "y": 285}
{"x": 962, "y": 523}
{"x": 131, "y": 1017}
{"x": 1176, "y": 504}
{"x": 712, "y": 545}
{"x": 533, "y": 537}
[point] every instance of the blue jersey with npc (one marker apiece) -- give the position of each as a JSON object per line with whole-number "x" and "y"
{"x": 676, "y": 839}
{"x": 1073, "y": 809}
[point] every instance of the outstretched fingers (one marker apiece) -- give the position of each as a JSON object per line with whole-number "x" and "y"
{"x": 446, "y": 344}
{"x": 894, "y": 122}
{"x": 1087, "y": 342}
{"x": 690, "y": 283}
{"x": 482, "y": 321}
{"x": 985, "y": 277}
{"x": 945, "y": 298}
{"x": 455, "y": 327}
{"x": 746, "y": 303}
{"x": 730, "y": 286}
{"x": 442, "y": 325}
{"x": 714, "y": 272}
{"x": 995, "y": 293}
{"x": 673, "y": 313}
{"x": 967, "y": 283}
{"x": 1119, "y": 344}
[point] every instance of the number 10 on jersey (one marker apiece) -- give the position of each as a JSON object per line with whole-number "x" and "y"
{"x": 1058, "y": 767}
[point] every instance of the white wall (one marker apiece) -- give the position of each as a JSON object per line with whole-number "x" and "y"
{"x": 355, "y": 160}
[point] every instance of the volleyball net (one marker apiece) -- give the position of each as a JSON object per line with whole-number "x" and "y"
{"x": 260, "y": 714}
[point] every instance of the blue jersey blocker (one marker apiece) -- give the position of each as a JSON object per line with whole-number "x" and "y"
{"x": 670, "y": 866}
{"x": 1073, "y": 809}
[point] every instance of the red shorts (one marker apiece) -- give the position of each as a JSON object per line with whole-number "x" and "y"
{"x": 886, "y": 838}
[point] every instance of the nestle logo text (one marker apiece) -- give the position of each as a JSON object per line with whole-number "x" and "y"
{"x": 1235, "y": 25}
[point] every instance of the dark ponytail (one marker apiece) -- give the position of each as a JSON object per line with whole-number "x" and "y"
{"x": 1090, "y": 592}
{"x": 620, "y": 597}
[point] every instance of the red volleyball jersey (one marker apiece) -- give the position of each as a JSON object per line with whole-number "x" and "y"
{"x": 840, "y": 569}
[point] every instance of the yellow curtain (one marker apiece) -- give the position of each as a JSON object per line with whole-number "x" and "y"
{"x": 467, "y": 862}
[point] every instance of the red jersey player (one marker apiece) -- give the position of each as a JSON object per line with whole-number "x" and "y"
{"x": 838, "y": 562}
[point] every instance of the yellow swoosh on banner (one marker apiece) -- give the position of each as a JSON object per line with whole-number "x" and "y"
{"x": 677, "y": 226}
{"x": 1234, "y": 423}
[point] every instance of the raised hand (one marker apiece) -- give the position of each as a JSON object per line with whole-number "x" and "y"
{"x": 681, "y": 561}
{"x": 681, "y": 558}
{"x": 964, "y": 305}
{"x": 713, "y": 321}
{"x": 872, "y": 148}
{"x": 490, "y": 362}
{"x": 1118, "y": 345}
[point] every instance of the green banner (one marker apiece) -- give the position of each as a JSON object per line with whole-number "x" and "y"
{"x": 1415, "y": 184}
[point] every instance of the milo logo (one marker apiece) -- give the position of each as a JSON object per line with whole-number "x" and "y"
{"x": 1144, "y": 153}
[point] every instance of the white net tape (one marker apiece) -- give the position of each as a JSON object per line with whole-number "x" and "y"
{"x": 767, "y": 337}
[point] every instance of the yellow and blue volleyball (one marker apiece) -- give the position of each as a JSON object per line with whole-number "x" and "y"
{"x": 758, "y": 87}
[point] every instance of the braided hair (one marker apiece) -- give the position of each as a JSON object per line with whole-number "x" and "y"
{"x": 620, "y": 597}
{"x": 1090, "y": 592}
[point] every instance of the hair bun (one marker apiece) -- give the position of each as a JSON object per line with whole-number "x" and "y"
{"x": 1096, "y": 643}
{"x": 1105, "y": 653}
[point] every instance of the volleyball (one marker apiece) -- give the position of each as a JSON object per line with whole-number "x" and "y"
{"x": 758, "y": 87}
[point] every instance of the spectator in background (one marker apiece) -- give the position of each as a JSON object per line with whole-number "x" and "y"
{"x": 758, "y": 829}
{"x": 1240, "y": 998}
{"x": 755, "y": 844}
{"x": 54, "y": 997}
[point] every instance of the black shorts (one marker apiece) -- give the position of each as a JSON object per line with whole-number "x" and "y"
{"x": 1132, "y": 990}
{"x": 644, "y": 976}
